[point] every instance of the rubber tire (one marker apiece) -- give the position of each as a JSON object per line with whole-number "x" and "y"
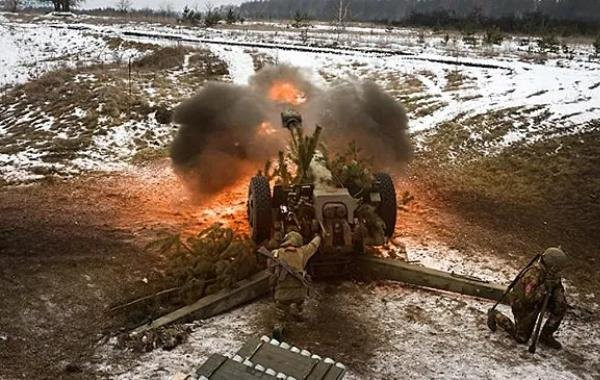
{"x": 259, "y": 209}
{"x": 388, "y": 208}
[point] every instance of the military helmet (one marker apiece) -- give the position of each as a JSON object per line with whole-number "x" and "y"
{"x": 292, "y": 239}
{"x": 555, "y": 259}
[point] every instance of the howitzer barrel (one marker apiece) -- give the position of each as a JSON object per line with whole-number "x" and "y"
{"x": 291, "y": 119}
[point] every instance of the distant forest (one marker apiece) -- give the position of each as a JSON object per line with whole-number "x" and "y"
{"x": 564, "y": 16}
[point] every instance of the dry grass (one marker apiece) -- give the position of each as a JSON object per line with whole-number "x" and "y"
{"x": 428, "y": 108}
{"x": 546, "y": 190}
{"x": 544, "y": 193}
{"x": 62, "y": 111}
{"x": 116, "y": 44}
{"x": 204, "y": 66}
{"x": 162, "y": 59}
{"x": 260, "y": 60}
{"x": 556, "y": 174}
{"x": 148, "y": 155}
{"x": 59, "y": 92}
{"x": 456, "y": 81}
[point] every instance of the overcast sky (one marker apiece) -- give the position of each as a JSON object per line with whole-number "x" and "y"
{"x": 157, "y": 4}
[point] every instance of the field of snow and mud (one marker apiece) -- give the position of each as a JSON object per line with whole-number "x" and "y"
{"x": 415, "y": 333}
{"x": 533, "y": 95}
{"x": 391, "y": 332}
{"x": 451, "y": 342}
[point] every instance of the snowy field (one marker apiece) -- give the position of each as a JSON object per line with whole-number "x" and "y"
{"x": 534, "y": 95}
{"x": 28, "y": 50}
{"x": 416, "y": 333}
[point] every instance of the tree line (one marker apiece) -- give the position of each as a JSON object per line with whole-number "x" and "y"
{"x": 58, "y": 5}
{"x": 511, "y": 15}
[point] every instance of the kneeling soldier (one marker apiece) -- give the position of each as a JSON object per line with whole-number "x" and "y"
{"x": 526, "y": 298}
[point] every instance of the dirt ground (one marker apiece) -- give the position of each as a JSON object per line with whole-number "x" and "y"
{"x": 70, "y": 249}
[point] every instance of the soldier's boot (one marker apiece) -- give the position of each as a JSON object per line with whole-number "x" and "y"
{"x": 491, "y": 320}
{"x": 550, "y": 341}
{"x": 550, "y": 327}
{"x": 547, "y": 333}
{"x": 496, "y": 318}
{"x": 278, "y": 331}
{"x": 281, "y": 317}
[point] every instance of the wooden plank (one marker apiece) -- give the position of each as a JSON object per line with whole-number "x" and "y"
{"x": 388, "y": 269}
{"x": 245, "y": 291}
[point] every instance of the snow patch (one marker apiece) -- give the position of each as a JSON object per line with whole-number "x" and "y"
{"x": 241, "y": 66}
{"x": 426, "y": 335}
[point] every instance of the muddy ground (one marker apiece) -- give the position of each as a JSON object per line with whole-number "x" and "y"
{"x": 70, "y": 249}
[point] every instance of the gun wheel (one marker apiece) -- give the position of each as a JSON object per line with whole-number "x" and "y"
{"x": 388, "y": 208}
{"x": 259, "y": 209}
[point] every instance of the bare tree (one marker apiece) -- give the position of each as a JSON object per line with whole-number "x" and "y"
{"x": 124, "y": 5}
{"x": 56, "y": 4}
{"x": 209, "y": 6}
{"x": 231, "y": 17}
{"x": 342, "y": 10}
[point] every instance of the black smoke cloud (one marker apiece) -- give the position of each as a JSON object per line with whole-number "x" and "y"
{"x": 220, "y": 136}
{"x": 362, "y": 111}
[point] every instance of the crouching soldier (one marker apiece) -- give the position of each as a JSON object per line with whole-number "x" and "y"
{"x": 290, "y": 285}
{"x": 541, "y": 279}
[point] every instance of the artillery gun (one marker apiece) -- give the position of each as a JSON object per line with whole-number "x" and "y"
{"x": 314, "y": 203}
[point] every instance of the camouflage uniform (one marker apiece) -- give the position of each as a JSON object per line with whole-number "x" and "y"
{"x": 526, "y": 299}
{"x": 289, "y": 292}
{"x": 373, "y": 227}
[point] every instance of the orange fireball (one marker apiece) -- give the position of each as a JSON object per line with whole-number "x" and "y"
{"x": 286, "y": 92}
{"x": 266, "y": 129}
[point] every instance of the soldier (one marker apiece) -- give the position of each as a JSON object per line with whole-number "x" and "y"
{"x": 527, "y": 296}
{"x": 290, "y": 285}
{"x": 373, "y": 226}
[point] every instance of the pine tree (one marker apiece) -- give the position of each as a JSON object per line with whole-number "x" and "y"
{"x": 231, "y": 17}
